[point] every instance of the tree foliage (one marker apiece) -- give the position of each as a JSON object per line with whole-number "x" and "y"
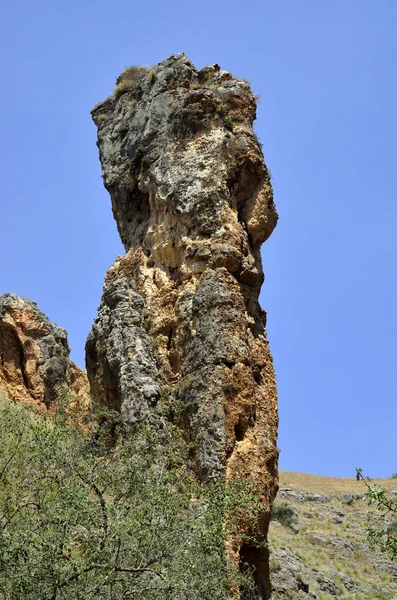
{"x": 84, "y": 517}
{"x": 385, "y": 537}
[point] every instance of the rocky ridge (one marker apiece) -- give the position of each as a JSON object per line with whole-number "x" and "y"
{"x": 180, "y": 333}
{"x": 34, "y": 356}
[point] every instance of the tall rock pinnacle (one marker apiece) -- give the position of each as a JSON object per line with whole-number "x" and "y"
{"x": 179, "y": 316}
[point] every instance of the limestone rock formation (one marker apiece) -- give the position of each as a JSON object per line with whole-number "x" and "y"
{"x": 179, "y": 320}
{"x": 34, "y": 355}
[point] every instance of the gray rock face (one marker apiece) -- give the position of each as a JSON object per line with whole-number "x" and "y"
{"x": 129, "y": 367}
{"x": 34, "y": 355}
{"x": 178, "y": 140}
{"x": 327, "y": 585}
{"x": 193, "y": 202}
{"x": 348, "y": 499}
{"x": 289, "y": 494}
{"x": 287, "y": 578}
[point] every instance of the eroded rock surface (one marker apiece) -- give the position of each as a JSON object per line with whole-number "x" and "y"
{"x": 179, "y": 320}
{"x": 34, "y": 355}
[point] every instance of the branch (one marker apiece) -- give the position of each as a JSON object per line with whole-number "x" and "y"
{"x": 375, "y": 494}
{"x": 35, "y": 504}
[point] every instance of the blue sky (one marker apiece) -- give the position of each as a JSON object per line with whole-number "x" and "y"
{"x": 326, "y": 75}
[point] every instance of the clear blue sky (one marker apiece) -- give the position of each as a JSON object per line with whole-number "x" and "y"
{"x": 326, "y": 74}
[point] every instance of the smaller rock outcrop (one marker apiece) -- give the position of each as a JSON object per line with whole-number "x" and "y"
{"x": 34, "y": 355}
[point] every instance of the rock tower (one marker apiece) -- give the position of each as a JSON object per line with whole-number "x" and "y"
{"x": 179, "y": 317}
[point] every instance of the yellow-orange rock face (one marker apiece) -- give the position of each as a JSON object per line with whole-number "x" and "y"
{"x": 34, "y": 356}
{"x": 179, "y": 315}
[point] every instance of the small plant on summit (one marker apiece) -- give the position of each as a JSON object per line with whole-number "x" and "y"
{"x": 384, "y": 537}
{"x": 394, "y": 476}
{"x": 123, "y": 87}
{"x": 129, "y": 80}
{"x": 284, "y": 514}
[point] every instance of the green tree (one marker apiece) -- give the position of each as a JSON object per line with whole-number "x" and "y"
{"x": 82, "y": 516}
{"x": 384, "y": 538}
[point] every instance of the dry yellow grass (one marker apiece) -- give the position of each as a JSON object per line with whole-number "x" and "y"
{"x": 326, "y": 545}
{"x": 329, "y": 485}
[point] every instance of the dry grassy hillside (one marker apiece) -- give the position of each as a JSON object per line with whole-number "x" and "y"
{"x": 329, "y": 485}
{"x": 322, "y": 553}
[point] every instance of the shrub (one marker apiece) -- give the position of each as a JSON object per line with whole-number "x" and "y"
{"x": 227, "y": 123}
{"x": 124, "y": 87}
{"x": 284, "y": 514}
{"x": 185, "y": 382}
{"x": 222, "y": 109}
{"x": 129, "y": 80}
{"x": 132, "y": 74}
{"x": 153, "y": 76}
{"x": 222, "y": 112}
{"x": 85, "y": 516}
{"x": 274, "y": 564}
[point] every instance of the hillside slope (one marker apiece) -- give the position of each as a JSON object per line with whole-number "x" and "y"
{"x": 322, "y": 553}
